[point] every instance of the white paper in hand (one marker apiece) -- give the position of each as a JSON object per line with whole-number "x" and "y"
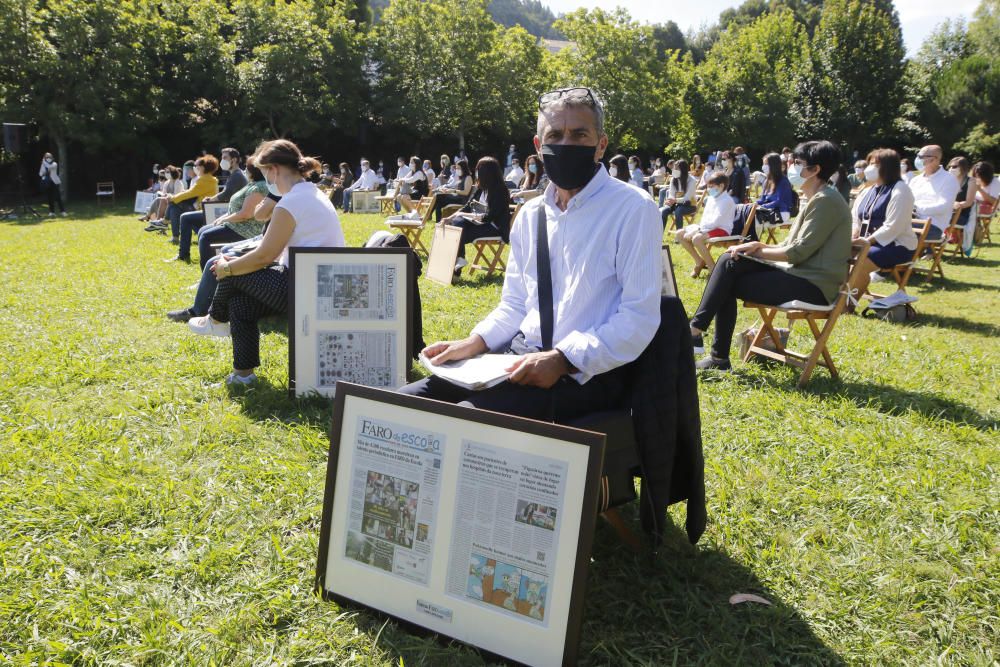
{"x": 475, "y": 374}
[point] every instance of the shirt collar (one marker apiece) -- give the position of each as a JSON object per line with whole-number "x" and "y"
{"x": 600, "y": 178}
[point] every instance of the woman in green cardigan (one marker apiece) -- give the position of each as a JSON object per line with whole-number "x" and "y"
{"x": 810, "y": 265}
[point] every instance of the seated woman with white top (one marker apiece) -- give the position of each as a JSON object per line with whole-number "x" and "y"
{"x": 679, "y": 199}
{"x": 883, "y": 215}
{"x": 989, "y": 188}
{"x": 716, "y": 220}
{"x": 493, "y": 199}
{"x": 414, "y": 186}
{"x": 256, "y": 284}
{"x": 636, "y": 177}
{"x": 960, "y": 168}
{"x": 778, "y": 197}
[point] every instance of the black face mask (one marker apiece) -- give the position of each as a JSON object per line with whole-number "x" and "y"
{"x": 569, "y": 166}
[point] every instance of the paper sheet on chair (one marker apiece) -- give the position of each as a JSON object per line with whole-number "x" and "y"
{"x": 475, "y": 374}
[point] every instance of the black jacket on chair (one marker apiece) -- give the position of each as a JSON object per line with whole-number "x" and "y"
{"x": 664, "y": 404}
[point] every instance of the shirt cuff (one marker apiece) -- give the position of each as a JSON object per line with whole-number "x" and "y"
{"x": 574, "y": 348}
{"x": 493, "y": 334}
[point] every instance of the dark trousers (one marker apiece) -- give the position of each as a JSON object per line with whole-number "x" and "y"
{"x": 55, "y": 197}
{"x": 243, "y": 301}
{"x": 190, "y": 223}
{"x": 748, "y": 280}
{"x": 471, "y": 231}
{"x": 564, "y": 401}
{"x": 214, "y": 235}
{"x": 174, "y": 212}
{"x": 446, "y": 200}
{"x": 678, "y": 211}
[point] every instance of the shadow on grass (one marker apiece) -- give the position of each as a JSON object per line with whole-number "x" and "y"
{"x": 950, "y": 285}
{"x": 264, "y": 401}
{"x": 958, "y": 323}
{"x": 83, "y": 212}
{"x": 868, "y": 395}
{"x": 644, "y": 610}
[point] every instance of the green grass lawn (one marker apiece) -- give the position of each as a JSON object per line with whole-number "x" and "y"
{"x": 150, "y": 516}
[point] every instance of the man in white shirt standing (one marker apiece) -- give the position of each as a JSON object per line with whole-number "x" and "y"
{"x": 515, "y": 175}
{"x": 934, "y": 191}
{"x": 593, "y": 307}
{"x": 367, "y": 181}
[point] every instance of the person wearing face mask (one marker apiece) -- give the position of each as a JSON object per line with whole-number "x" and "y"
{"x": 636, "y": 177}
{"x": 193, "y": 221}
{"x": 883, "y": 215}
{"x": 716, "y": 220}
{"x": 988, "y": 193}
{"x": 777, "y": 197}
{"x": 367, "y": 182}
{"x": 511, "y": 156}
{"x": 457, "y": 193}
{"x": 413, "y": 186}
{"x": 494, "y": 200}
{"x": 857, "y": 177}
{"x": 697, "y": 166}
{"x": 155, "y": 185}
{"x": 679, "y": 199}
{"x": 203, "y": 186}
{"x": 432, "y": 181}
{"x": 935, "y": 191}
{"x": 618, "y": 168}
{"x": 959, "y": 167}
{"x": 535, "y": 181}
{"x": 173, "y": 184}
{"x": 48, "y": 172}
{"x": 602, "y": 244}
{"x": 255, "y": 285}
{"x": 514, "y": 175}
{"x": 906, "y": 170}
{"x": 814, "y": 257}
{"x": 187, "y": 173}
{"x": 444, "y": 176}
{"x": 737, "y": 179}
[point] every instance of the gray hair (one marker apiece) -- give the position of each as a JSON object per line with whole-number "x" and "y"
{"x": 592, "y": 102}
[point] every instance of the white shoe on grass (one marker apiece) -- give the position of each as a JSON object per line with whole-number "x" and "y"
{"x": 877, "y": 277}
{"x": 204, "y": 326}
{"x": 234, "y": 378}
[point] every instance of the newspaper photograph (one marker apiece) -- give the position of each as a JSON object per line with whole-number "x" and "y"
{"x": 395, "y": 491}
{"x": 506, "y": 532}
{"x": 356, "y": 292}
{"x": 364, "y": 357}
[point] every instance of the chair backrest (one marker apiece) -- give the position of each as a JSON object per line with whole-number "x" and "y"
{"x": 921, "y": 227}
{"x": 425, "y": 207}
{"x": 513, "y": 215}
{"x": 105, "y": 187}
{"x": 859, "y": 251}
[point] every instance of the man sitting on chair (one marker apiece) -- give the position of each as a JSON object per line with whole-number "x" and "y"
{"x": 601, "y": 263}
{"x": 367, "y": 181}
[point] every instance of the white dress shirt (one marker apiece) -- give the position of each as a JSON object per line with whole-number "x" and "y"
{"x": 934, "y": 196}
{"x": 515, "y": 175}
{"x": 898, "y": 225}
{"x": 53, "y": 169}
{"x": 687, "y": 196}
{"x": 367, "y": 181}
{"x": 718, "y": 214}
{"x": 604, "y": 251}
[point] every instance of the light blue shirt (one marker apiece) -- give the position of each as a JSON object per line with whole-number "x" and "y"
{"x": 604, "y": 251}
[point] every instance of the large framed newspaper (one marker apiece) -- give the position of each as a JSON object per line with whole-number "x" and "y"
{"x": 349, "y": 318}
{"x": 473, "y": 525}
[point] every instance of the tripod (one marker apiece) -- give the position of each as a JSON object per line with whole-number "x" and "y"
{"x": 21, "y": 206}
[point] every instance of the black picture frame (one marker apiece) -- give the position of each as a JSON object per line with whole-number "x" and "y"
{"x": 405, "y": 328}
{"x": 668, "y": 282}
{"x": 580, "y": 559}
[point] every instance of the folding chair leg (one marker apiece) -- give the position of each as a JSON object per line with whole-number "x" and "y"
{"x": 625, "y": 534}
{"x": 819, "y": 349}
{"x": 480, "y": 249}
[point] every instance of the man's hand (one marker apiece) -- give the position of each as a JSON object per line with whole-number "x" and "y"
{"x": 455, "y": 350}
{"x": 539, "y": 369}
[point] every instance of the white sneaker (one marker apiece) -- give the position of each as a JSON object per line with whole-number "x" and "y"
{"x": 233, "y": 378}
{"x": 193, "y": 287}
{"x": 877, "y": 277}
{"x": 65, "y": 214}
{"x": 413, "y": 215}
{"x": 204, "y": 326}
{"x": 461, "y": 264}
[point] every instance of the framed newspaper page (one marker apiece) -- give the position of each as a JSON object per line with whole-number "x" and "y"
{"x": 473, "y": 525}
{"x": 668, "y": 282}
{"x": 213, "y": 210}
{"x": 349, "y": 318}
{"x": 143, "y": 200}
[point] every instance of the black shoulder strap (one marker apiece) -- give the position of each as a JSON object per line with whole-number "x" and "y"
{"x": 544, "y": 271}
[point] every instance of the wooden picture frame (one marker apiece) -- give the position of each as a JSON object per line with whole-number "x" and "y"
{"x": 472, "y": 525}
{"x": 444, "y": 253}
{"x": 213, "y": 211}
{"x": 350, "y": 318}
{"x": 143, "y": 200}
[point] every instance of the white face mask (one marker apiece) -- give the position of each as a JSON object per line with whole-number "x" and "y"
{"x": 632, "y": 166}
{"x": 271, "y": 187}
{"x": 859, "y": 170}
{"x": 400, "y": 164}
{"x": 795, "y": 176}
{"x": 613, "y": 170}
{"x": 225, "y": 164}
{"x": 676, "y": 173}
{"x": 903, "y": 169}
{"x": 364, "y": 166}
{"x": 871, "y": 172}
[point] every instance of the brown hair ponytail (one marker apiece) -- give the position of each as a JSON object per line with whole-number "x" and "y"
{"x": 286, "y": 154}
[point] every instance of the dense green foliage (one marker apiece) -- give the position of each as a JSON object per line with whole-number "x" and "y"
{"x": 151, "y": 517}
{"x": 102, "y": 78}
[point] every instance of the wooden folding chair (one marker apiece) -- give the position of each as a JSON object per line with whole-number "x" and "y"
{"x": 811, "y": 313}
{"x": 954, "y": 237}
{"x": 489, "y": 251}
{"x": 901, "y": 272}
{"x": 412, "y": 227}
{"x": 936, "y": 253}
{"x": 386, "y": 202}
{"x": 699, "y": 203}
{"x": 106, "y": 189}
{"x": 734, "y": 239}
{"x": 983, "y": 221}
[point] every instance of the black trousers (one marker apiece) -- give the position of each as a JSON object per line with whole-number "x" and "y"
{"x": 213, "y": 235}
{"x": 472, "y": 232}
{"x": 564, "y": 401}
{"x": 447, "y": 200}
{"x": 747, "y": 280}
{"x": 55, "y": 197}
{"x": 243, "y": 301}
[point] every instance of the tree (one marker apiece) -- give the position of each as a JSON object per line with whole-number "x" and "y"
{"x": 744, "y": 92}
{"x": 617, "y": 56}
{"x": 858, "y": 52}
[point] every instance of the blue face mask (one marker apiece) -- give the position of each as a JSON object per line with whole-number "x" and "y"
{"x": 795, "y": 175}
{"x": 714, "y": 192}
{"x": 533, "y": 168}
{"x": 918, "y": 164}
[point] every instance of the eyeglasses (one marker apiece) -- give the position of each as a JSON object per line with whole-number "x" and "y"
{"x": 574, "y": 93}
{"x": 928, "y": 156}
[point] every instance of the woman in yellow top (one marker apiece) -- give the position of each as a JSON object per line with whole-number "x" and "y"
{"x": 204, "y": 185}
